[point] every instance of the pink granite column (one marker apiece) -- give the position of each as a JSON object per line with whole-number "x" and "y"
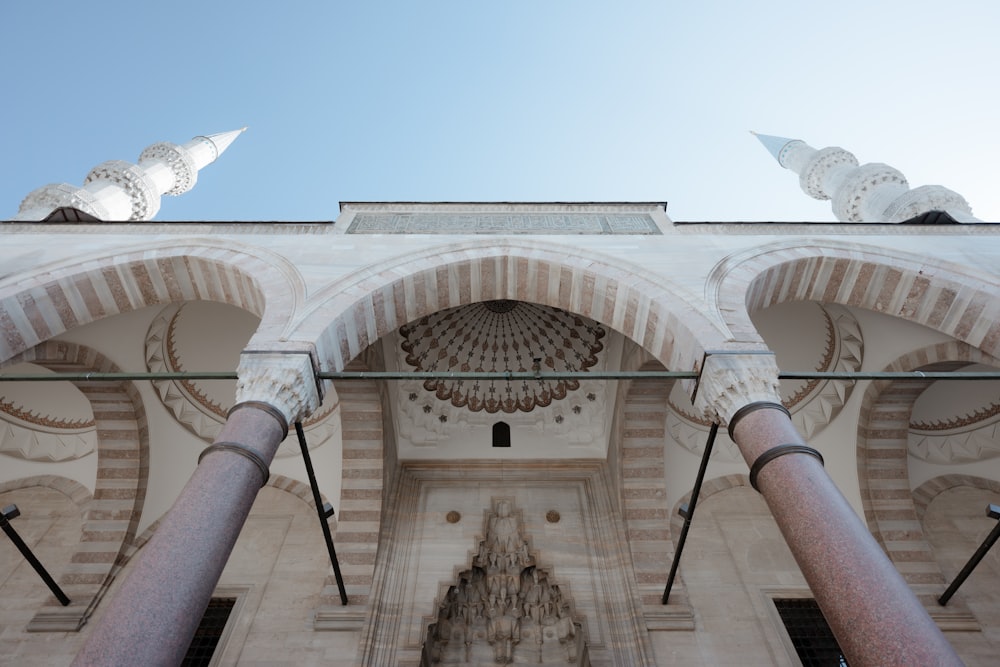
{"x": 872, "y": 611}
{"x": 155, "y": 613}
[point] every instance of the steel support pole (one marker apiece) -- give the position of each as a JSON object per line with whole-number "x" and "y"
{"x": 992, "y": 511}
{"x": 323, "y": 516}
{"x": 689, "y": 513}
{"x": 29, "y": 556}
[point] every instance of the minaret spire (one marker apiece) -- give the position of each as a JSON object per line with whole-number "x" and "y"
{"x": 118, "y": 190}
{"x": 872, "y": 192}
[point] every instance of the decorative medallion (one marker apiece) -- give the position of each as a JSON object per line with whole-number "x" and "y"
{"x": 211, "y": 336}
{"x": 453, "y": 517}
{"x": 505, "y": 608}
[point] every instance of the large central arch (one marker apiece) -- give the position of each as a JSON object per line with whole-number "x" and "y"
{"x": 657, "y": 314}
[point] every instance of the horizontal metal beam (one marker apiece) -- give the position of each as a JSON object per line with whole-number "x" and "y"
{"x": 495, "y": 375}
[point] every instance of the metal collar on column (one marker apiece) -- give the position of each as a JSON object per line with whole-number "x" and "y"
{"x": 753, "y": 407}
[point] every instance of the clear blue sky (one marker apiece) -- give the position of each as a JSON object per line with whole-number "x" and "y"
{"x": 518, "y": 101}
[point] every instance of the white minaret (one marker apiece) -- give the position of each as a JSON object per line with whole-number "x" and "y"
{"x": 872, "y": 192}
{"x": 119, "y": 191}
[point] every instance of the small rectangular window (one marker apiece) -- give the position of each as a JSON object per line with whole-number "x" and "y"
{"x": 810, "y": 634}
{"x": 210, "y": 630}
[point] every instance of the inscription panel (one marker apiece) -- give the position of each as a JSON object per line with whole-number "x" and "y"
{"x": 502, "y": 223}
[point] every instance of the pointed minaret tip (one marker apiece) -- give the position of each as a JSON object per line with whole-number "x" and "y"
{"x": 774, "y": 145}
{"x": 222, "y": 140}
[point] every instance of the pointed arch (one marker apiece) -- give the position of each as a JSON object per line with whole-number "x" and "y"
{"x": 70, "y": 488}
{"x": 661, "y": 316}
{"x": 883, "y": 473}
{"x": 112, "y": 516}
{"x": 45, "y": 304}
{"x": 932, "y": 488}
{"x": 938, "y": 295}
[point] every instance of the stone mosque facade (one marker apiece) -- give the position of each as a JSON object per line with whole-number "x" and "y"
{"x": 517, "y": 417}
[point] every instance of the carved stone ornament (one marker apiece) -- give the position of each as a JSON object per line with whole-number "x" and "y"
{"x": 58, "y": 195}
{"x": 729, "y": 381}
{"x": 180, "y": 162}
{"x": 813, "y": 403}
{"x": 191, "y": 405}
{"x": 35, "y": 437}
{"x": 505, "y": 608}
{"x": 924, "y": 199}
{"x": 812, "y": 177}
{"x": 284, "y": 380}
{"x": 860, "y": 189}
{"x": 134, "y": 181}
{"x": 500, "y": 336}
{"x": 951, "y": 438}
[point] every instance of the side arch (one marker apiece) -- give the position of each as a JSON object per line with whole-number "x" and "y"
{"x": 884, "y": 481}
{"x": 708, "y": 488}
{"x": 71, "y": 488}
{"x": 293, "y": 487}
{"x": 932, "y": 488}
{"x": 112, "y": 516}
{"x": 883, "y": 428}
{"x": 935, "y": 294}
{"x": 40, "y": 306}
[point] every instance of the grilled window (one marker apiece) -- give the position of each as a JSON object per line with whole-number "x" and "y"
{"x": 811, "y": 636}
{"x": 206, "y": 637}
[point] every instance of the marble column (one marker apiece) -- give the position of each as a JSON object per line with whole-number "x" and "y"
{"x": 872, "y": 611}
{"x": 155, "y": 613}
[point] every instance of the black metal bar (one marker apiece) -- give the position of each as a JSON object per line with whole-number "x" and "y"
{"x": 96, "y": 376}
{"x": 992, "y": 511}
{"x": 688, "y": 512}
{"x": 321, "y": 512}
{"x": 29, "y": 555}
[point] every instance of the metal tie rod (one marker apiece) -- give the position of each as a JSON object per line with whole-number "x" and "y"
{"x": 97, "y": 376}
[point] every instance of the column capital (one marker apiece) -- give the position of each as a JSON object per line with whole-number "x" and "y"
{"x": 285, "y": 379}
{"x": 730, "y": 380}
